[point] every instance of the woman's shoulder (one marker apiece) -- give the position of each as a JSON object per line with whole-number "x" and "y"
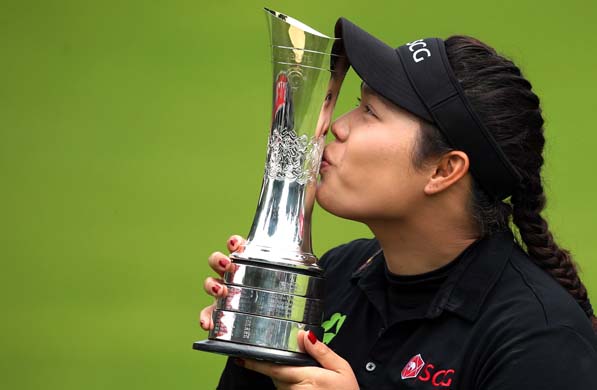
{"x": 528, "y": 296}
{"x": 528, "y": 318}
{"x": 346, "y": 258}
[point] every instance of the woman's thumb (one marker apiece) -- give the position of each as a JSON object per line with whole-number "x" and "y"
{"x": 322, "y": 353}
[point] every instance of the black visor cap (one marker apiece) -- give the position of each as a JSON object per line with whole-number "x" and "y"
{"x": 386, "y": 77}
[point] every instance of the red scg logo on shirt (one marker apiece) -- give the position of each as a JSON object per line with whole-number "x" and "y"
{"x": 440, "y": 379}
{"x": 413, "y": 367}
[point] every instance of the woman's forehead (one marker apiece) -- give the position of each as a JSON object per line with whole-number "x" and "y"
{"x": 366, "y": 90}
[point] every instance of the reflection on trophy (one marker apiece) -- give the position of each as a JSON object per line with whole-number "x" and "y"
{"x": 276, "y": 288}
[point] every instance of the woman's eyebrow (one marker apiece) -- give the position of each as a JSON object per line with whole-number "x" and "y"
{"x": 366, "y": 90}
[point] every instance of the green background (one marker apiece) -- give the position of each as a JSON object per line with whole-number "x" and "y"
{"x": 132, "y": 143}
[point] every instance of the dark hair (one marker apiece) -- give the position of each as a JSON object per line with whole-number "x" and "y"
{"x": 508, "y": 107}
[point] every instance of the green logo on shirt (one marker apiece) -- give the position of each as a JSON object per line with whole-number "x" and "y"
{"x": 332, "y": 326}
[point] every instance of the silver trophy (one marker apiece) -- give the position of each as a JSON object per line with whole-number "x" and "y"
{"x": 276, "y": 288}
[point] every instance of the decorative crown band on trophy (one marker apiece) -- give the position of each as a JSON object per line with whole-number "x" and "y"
{"x": 277, "y": 288}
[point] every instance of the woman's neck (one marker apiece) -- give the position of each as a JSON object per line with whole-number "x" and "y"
{"x": 421, "y": 245}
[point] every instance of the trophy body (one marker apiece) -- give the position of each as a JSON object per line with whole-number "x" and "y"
{"x": 276, "y": 287}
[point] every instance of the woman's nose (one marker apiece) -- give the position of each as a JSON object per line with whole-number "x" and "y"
{"x": 340, "y": 128}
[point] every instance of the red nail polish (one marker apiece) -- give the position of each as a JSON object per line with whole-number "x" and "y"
{"x": 232, "y": 242}
{"x": 223, "y": 263}
{"x": 312, "y": 338}
{"x": 239, "y": 362}
{"x": 215, "y": 289}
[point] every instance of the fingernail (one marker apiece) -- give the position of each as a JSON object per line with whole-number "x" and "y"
{"x": 215, "y": 288}
{"x": 202, "y": 323}
{"x": 312, "y": 338}
{"x": 223, "y": 263}
{"x": 232, "y": 242}
{"x": 239, "y": 362}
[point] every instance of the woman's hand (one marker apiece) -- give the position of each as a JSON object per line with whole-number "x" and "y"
{"x": 335, "y": 372}
{"x": 220, "y": 263}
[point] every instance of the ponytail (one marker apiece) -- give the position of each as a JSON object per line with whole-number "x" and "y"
{"x": 528, "y": 203}
{"x": 508, "y": 107}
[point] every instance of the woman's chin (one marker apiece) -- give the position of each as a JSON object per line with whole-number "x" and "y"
{"x": 324, "y": 198}
{"x": 331, "y": 204}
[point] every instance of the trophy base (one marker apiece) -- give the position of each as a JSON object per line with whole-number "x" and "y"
{"x": 255, "y": 352}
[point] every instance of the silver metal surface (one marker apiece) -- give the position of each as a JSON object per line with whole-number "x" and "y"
{"x": 285, "y": 281}
{"x": 248, "y": 351}
{"x": 276, "y": 288}
{"x": 281, "y": 229}
{"x": 256, "y": 330}
{"x": 272, "y": 304}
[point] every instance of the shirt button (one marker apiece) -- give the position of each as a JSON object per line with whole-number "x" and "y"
{"x": 370, "y": 366}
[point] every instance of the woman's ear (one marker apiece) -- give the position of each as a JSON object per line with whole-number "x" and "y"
{"x": 449, "y": 169}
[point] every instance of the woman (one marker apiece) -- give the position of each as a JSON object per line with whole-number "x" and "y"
{"x": 442, "y": 152}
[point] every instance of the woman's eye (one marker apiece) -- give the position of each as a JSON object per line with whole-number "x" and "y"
{"x": 367, "y": 108}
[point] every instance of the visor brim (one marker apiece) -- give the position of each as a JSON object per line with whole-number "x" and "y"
{"x": 380, "y": 67}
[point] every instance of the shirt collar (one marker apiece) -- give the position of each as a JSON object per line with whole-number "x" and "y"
{"x": 469, "y": 283}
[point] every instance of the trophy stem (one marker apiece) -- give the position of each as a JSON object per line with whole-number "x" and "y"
{"x": 281, "y": 229}
{"x": 281, "y": 215}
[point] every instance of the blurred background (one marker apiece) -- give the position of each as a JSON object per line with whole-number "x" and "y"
{"x": 132, "y": 144}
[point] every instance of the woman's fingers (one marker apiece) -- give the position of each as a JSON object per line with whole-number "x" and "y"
{"x": 219, "y": 262}
{"x": 284, "y": 374}
{"x": 324, "y": 355}
{"x": 215, "y": 287}
{"x": 205, "y": 319}
{"x": 234, "y": 242}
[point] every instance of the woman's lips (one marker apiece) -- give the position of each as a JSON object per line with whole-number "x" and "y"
{"x": 324, "y": 163}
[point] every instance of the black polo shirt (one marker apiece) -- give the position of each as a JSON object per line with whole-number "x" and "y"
{"x": 496, "y": 321}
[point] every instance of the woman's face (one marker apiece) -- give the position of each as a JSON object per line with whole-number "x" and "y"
{"x": 367, "y": 171}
